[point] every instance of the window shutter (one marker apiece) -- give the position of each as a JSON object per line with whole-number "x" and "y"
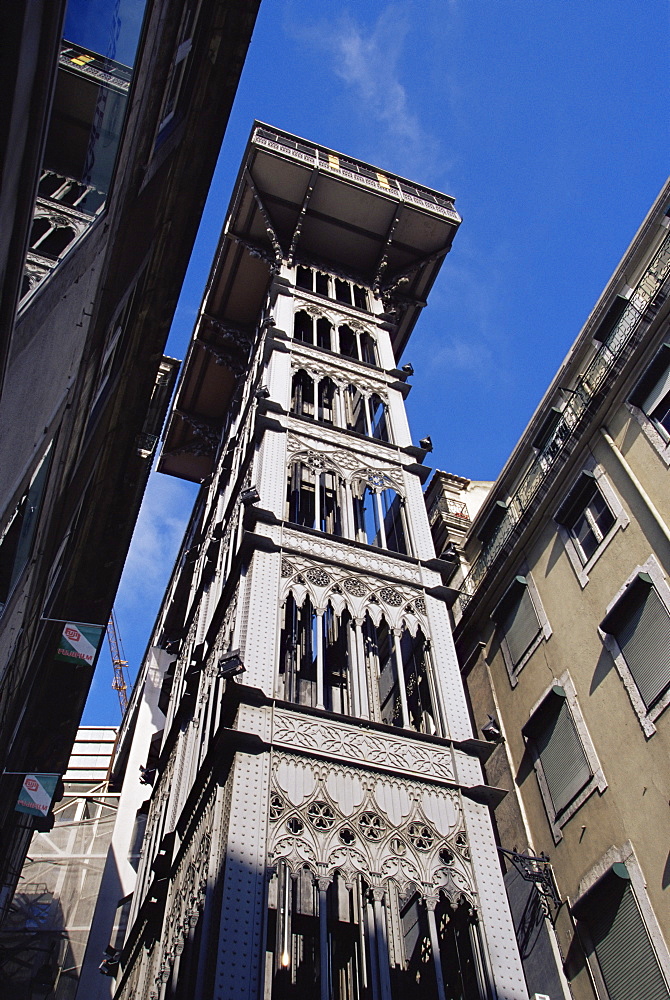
{"x": 521, "y": 626}
{"x": 622, "y": 945}
{"x": 644, "y": 640}
{"x": 562, "y": 756}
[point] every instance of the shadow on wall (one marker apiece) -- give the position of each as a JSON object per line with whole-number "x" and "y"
{"x": 35, "y": 950}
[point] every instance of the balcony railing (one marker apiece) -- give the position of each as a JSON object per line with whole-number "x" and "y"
{"x": 582, "y": 402}
{"x": 453, "y": 512}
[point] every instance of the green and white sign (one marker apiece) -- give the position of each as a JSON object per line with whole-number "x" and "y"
{"x": 79, "y": 642}
{"x": 36, "y": 794}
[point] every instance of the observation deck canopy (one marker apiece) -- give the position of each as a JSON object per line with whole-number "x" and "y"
{"x": 298, "y": 203}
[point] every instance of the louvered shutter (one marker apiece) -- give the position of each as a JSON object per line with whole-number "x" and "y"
{"x": 520, "y": 626}
{"x": 562, "y": 756}
{"x": 625, "y": 954}
{"x": 644, "y": 639}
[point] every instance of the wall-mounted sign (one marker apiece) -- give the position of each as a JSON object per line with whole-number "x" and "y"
{"x": 36, "y": 794}
{"x": 79, "y": 642}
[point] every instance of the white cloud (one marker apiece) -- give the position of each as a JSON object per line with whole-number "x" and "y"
{"x": 368, "y": 59}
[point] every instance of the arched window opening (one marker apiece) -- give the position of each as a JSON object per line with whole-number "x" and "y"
{"x": 303, "y": 327}
{"x": 329, "y": 517}
{"x": 57, "y": 241}
{"x": 378, "y": 418}
{"x": 338, "y": 931}
{"x": 366, "y": 515}
{"x": 302, "y": 394}
{"x": 381, "y": 666}
{"x": 343, "y": 291}
{"x": 378, "y": 517}
{"x": 313, "y": 498}
{"x": 322, "y": 283}
{"x": 40, "y": 228}
{"x": 303, "y": 278}
{"x": 415, "y": 665}
{"x": 327, "y": 390}
{"x": 306, "y": 921}
{"x": 298, "y": 653}
{"x": 324, "y": 334}
{"x": 360, "y": 297}
{"x": 456, "y": 929}
{"x": 348, "y": 345}
{"x": 354, "y": 403}
{"x": 393, "y": 521}
{"x": 337, "y": 660}
{"x": 368, "y": 349}
{"x": 301, "y": 495}
{"x": 415, "y": 979}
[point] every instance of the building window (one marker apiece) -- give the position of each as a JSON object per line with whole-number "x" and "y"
{"x": 303, "y": 327}
{"x": 650, "y": 402}
{"x": 333, "y": 288}
{"x": 366, "y": 415}
{"x": 17, "y": 538}
{"x": 302, "y": 395}
{"x": 636, "y": 630}
{"x": 521, "y": 624}
{"x": 373, "y": 947}
{"x": 588, "y": 518}
{"x": 313, "y": 498}
{"x": 177, "y": 74}
{"x": 379, "y": 514}
{"x": 566, "y": 764}
{"x": 619, "y": 947}
{"x": 354, "y": 405}
{"x": 316, "y": 655}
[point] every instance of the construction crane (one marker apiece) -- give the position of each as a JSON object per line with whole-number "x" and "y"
{"x": 119, "y": 664}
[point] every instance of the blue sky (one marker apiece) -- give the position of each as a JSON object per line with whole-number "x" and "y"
{"x": 548, "y": 122}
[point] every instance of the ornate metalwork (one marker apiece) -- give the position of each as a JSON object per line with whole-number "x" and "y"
{"x": 391, "y": 597}
{"x": 538, "y": 870}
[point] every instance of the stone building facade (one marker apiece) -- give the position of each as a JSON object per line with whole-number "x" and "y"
{"x": 561, "y": 605}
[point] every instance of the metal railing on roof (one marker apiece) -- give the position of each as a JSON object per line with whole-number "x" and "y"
{"x": 583, "y": 399}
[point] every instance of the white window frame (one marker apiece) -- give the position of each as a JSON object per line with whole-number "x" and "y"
{"x": 621, "y": 522}
{"x": 646, "y": 717}
{"x": 655, "y": 433}
{"x": 597, "y": 779}
{"x": 544, "y": 630}
{"x": 623, "y": 855}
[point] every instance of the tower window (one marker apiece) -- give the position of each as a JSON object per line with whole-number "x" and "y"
{"x": 343, "y": 291}
{"x": 379, "y": 518}
{"x": 355, "y": 410}
{"x": 378, "y": 421}
{"x": 304, "y": 278}
{"x": 303, "y": 327}
{"x": 322, "y": 283}
{"x": 315, "y": 657}
{"x": 324, "y": 334}
{"x": 326, "y": 392}
{"x": 313, "y": 498}
{"x": 368, "y": 349}
{"x": 360, "y": 297}
{"x": 302, "y": 394}
{"x": 348, "y": 345}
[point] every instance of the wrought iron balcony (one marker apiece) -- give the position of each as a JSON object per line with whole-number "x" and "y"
{"x": 452, "y": 512}
{"x": 583, "y": 402}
